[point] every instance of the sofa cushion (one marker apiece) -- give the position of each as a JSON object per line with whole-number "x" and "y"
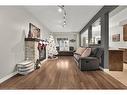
{"x": 80, "y": 50}
{"x": 77, "y": 56}
{"x": 86, "y": 52}
{"x": 99, "y": 52}
{"x": 93, "y": 52}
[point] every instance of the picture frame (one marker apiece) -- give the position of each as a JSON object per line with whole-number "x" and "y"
{"x": 34, "y": 32}
{"x": 116, "y": 37}
{"x": 72, "y": 40}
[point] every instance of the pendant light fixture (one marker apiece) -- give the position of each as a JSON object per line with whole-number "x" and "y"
{"x": 61, "y": 9}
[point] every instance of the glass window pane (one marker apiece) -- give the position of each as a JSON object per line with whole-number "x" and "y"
{"x": 84, "y": 39}
{"x": 96, "y": 33}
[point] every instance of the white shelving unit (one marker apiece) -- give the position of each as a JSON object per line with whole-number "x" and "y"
{"x": 25, "y": 67}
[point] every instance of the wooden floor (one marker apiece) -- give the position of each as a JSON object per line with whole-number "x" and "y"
{"x": 62, "y": 73}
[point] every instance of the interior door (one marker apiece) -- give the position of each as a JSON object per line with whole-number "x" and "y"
{"x": 66, "y": 45}
{"x": 63, "y": 44}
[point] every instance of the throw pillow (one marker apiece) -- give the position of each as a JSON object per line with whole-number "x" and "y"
{"x": 86, "y": 53}
{"x": 80, "y": 50}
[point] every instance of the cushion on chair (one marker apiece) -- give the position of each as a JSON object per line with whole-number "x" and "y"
{"x": 76, "y": 56}
{"x": 80, "y": 50}
{"x": 86, "y": 53}
{"x": 93, "y": 52}
{"x": 99, "y": 52}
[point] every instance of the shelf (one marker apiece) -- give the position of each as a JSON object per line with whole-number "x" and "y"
{"x": 25, "y": 67}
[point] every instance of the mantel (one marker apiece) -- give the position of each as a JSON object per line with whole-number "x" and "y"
{"x": 32, "y": 39}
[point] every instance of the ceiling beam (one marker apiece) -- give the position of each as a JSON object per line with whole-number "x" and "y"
{"x": 102, "y": 11}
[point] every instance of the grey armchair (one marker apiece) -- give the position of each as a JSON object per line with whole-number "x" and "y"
{"x": 91, "y": 62}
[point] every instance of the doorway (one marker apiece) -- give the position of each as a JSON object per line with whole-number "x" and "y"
{"x": 63, "y": 44}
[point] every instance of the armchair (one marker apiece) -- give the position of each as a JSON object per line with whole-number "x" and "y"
{"x": 91, "y": 62}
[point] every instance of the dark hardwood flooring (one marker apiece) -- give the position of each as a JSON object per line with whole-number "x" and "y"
{"x": 62, "y": 73}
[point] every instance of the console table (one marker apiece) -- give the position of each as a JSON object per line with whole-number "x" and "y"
{"x": 124, "y": 54}
{"x": 65, "y": 53}
{"x": 116, "y": 60}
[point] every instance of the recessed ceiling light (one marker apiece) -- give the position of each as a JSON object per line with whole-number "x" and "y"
{"x": 59, "y": 10}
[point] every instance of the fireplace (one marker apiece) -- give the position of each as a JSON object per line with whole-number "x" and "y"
{"x": 34, "y": 51}
{"x": 42, "y": 54}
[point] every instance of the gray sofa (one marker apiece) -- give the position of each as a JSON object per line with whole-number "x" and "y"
{"x": 91, "y": 62}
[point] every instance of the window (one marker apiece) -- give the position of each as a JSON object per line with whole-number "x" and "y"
{"x": 63, "y": 44}
{"x": 96, "y": 33}
{"x": 84, "y": 39}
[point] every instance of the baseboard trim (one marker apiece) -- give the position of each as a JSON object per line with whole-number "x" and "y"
{"x": 14, "y": 73}
{"x": 8, "y": 76}
{"x": 42, "y": 62}
{"x": 105, "y": 70}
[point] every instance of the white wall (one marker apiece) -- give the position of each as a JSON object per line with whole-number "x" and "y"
{"x": 72, "y": 35}
{"x": 14, "y": 26}
{"x": 116, "y": 23}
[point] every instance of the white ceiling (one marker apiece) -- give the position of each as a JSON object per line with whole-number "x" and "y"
{"x": 77, "y": 17}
